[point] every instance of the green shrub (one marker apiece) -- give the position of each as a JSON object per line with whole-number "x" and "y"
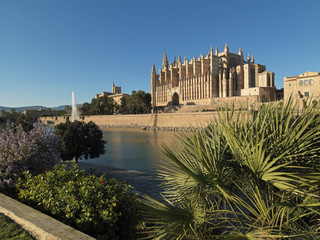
{"x": 99, "y": 207}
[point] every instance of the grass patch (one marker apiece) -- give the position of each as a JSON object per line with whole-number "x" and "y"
{"x": 9, "y": 230}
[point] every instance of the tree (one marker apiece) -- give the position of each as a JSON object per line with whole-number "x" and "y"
{"x": 116, "y": 108}
{"x": 138, "y": 103}
{"x": 26, "y": 120}
{"x": 85, "y": 109}
{"x": 245, "y": 176}
{"x": 80, "y": 140}
{"x": 98, "y": 106}
{"x": 11, "y": 116}
{"x": 123, "y": 103}
{"x": 104, "y": 104}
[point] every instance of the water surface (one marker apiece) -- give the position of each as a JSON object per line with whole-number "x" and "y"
{"x": 135, "y": 149}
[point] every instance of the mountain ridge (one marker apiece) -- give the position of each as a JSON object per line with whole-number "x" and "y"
{"x": 36, "y": 107}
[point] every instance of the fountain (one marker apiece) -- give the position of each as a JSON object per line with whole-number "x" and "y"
{"x": 74, "y": 113}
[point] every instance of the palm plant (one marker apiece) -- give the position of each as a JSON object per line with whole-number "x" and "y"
{"x": 248, "y": 175}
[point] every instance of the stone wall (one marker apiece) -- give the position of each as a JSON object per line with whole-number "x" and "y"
{"x": 151, "y": 120}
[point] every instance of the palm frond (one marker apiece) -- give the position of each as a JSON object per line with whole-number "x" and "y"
{"x": 247, "y": 175}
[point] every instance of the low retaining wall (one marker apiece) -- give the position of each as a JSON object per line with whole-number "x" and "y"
{"x": 156, "y": 120}
{"x": 41, "y": 226}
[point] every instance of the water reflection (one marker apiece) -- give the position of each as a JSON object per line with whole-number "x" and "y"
{"x": 135, "y": 149}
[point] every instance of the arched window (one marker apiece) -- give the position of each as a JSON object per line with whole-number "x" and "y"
{"x": 300, "y": 83}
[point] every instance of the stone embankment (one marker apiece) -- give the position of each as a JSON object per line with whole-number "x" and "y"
{"x": 150, "y": 128}
{"x": 157, "y": 121}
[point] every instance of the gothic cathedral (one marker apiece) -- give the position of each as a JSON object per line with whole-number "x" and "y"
{"x": 218, "y": 76}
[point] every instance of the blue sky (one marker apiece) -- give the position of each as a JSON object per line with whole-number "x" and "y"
{"x": 50, "y": 48}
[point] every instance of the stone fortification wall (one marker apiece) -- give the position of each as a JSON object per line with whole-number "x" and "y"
{"x": 238, "y": 102}
{"x": 149, "y": 120}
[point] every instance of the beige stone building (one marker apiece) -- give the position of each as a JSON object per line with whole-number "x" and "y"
{"x": 215, "y": 77}
{"x": 303, "y": 86}
{"x": 116, "y": 94}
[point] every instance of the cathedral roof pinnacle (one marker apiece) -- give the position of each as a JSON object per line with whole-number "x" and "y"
{"x": 153, "y": 71}
{"x": 217, "y": 50}
{"x": 248, "y": 58}
{"x": 240, "y": 51}
{"x": 252, "y": 59}
{"x": 153, "y": 68}
{"x": 226, "y": 48}
{"x": 165, "y": 60}
{"x": 179, "y": 58}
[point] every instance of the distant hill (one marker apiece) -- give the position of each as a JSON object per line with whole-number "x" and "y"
{"x": 21, "y": 109}
{"x": 62, "y": 107}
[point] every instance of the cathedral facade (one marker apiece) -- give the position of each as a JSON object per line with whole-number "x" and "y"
{"x": 218, "y": 76}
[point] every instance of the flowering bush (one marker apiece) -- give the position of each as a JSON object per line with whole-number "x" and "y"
{"x": 102, "y": 208}
{"x": 32, "y": 151}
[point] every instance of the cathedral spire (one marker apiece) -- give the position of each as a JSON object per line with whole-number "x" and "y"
{"x": 248, "y": 59}
{"x": 252, "y": 59}
{"x": 217, "y": 51}
{"x": 179, "y": 58}
{"x": 240, "y": 52}
{"x": 226, "y": 48}
{"x": 153, "y": 73}
{"x": 153, "y": 69}
{"x": 165, "y": 61}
